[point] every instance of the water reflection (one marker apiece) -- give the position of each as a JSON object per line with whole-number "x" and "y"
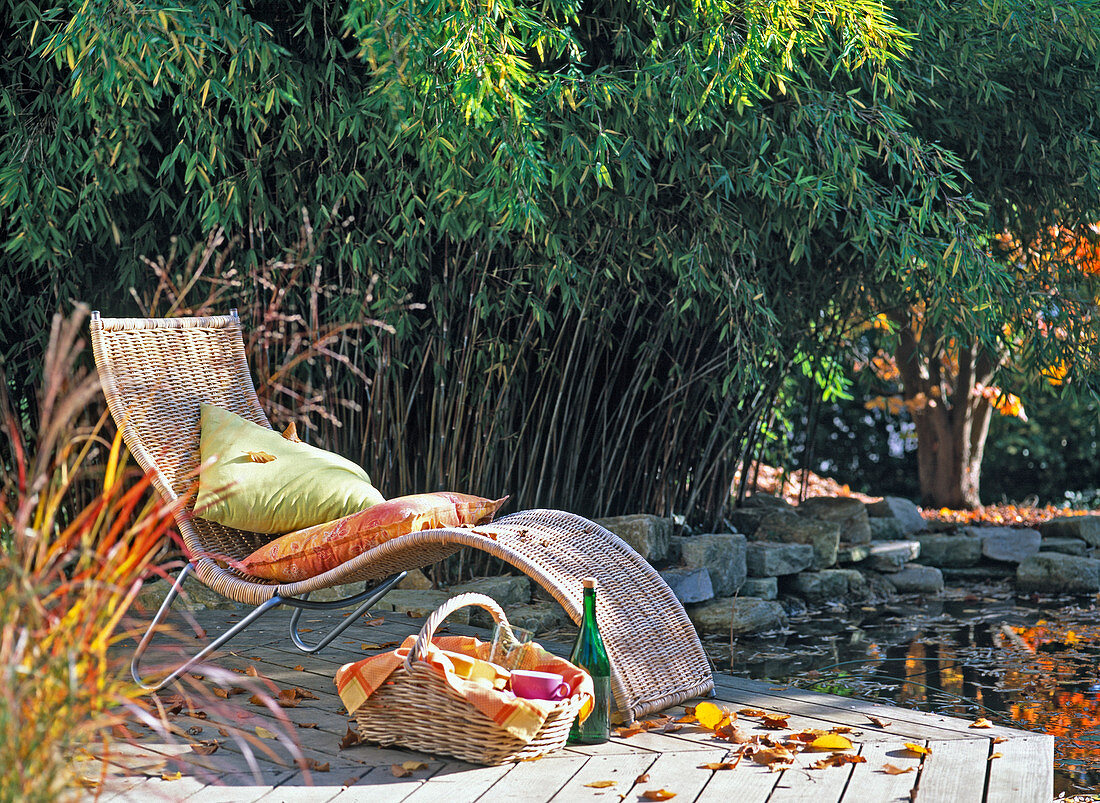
{"x": 1026, "y": 662}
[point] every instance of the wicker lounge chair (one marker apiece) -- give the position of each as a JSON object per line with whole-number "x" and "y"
{"x": 156, "y": 372}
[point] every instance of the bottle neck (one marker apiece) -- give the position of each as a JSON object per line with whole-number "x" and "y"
{"x": 590, "y": 607}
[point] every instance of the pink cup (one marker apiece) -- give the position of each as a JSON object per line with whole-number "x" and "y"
{"x": 539, "y": 685}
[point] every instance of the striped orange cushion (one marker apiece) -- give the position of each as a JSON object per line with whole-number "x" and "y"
{"x": 314, "y": 550}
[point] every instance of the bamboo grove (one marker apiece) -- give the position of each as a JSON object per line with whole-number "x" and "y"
{"x": 567, "y": 251}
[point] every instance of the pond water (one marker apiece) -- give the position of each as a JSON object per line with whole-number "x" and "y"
{"x": 1027, "y": 662}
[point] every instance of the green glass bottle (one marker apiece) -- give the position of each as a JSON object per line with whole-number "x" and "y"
{"x": 590, "y": 654}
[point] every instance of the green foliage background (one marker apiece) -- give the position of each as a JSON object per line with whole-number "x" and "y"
{"x": 600, "y": 234}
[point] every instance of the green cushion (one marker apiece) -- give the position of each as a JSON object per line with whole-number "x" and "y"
{"x": 301, "y": 487}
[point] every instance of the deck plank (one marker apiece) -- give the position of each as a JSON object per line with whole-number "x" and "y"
{"x": 747, "y": 783}
{"x": 535, "y": 781}
{"x": 458, "y": 782}
{"x": 680, "y": 773}
{"x": 1025, "y": 770}
{"x": 955, "y": 772}
{"x": 623, "y": 769}
{"x": 869, "y": 782}
{"x": 799, "y": 784}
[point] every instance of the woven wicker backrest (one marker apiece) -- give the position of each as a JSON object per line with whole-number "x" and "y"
{"x": 155, "y": 374}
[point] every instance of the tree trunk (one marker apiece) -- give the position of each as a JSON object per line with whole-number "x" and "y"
{"x": 952, "y": 421}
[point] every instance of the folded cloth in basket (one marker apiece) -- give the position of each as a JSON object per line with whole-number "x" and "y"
{"x": 520, "y": 716}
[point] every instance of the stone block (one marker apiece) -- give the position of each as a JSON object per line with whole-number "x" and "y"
{"x": 827, "y": 585}
{"x": 769, "y": 559}
{"x": 978, "y": 574}
{"x": 722, "y": 554}
{"x": 891, "y": 556}
{"x": 853, "y": 553}
{"x": 333, "y": 593}
{"x": 746, "y": 520}
{"x": 540, "y": 617}
{"x": 849, "y": 512}
{"x": 737, "y": 616}
{"x": 886, "y": 529}
{"x": 917, "y": 579}
{"x": 1086, "y": 528}
{"x": 505, "y": 590}
{"x": 689, "y": 585}
{"x": 648, "y": 535}
{"x": 760, "y": 587}
{"x": 767, "y": 501}
{"x": 1008, "y": 544}
{"x": 857, "y": 583}
{"x": 787, "y": 527}
{"x": 902, "y": 510}
{"x": 1053, "y": 573}
{"x": 943, "y": 550}
{"x": 1067, "y": 546}
{"x": 415, "y": 579}
{"x": 418, "y": 604}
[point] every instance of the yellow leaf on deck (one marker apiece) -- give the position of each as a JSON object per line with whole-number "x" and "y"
{"x": 171, "y": 776}
{"x": 831, "y": 741}
{"x": 658, "y": 794}
{"x": 981, "y": 722}
{"x": 413, "y": 766}
{"x": 709, "y": 715}
{"x": 996, "y": 755}
{"x": 264, "y": 733}
{"x": 718, "y": 765}
{"x": 920, "y": 750}
{"x": 600, "y": 784}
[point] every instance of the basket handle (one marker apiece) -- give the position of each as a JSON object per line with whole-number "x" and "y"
{"x": 424, "y": 638}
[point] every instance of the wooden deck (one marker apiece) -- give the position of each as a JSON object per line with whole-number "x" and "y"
{"x": 966, "y": 765}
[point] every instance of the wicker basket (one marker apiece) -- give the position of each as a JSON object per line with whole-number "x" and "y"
{"x": 418, "y": 710}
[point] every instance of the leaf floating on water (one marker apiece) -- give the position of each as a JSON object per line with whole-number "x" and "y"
{"x": 831, "y": 741}
{"x": 920, "y": 750}
{"x": 981, "y": 722}
{"x": 658, "y": 794}
{"x": 600, "y": 784}
{"x": 890, "y": 769}
{"x": 260, "y": 456}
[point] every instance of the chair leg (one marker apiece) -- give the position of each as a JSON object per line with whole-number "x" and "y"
{"x": 365, "y": 599}
{"x": 135, "y": 668}
{"x": 370, "y": 596}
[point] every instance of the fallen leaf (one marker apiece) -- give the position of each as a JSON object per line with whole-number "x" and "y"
{"x": 220, "y": 692}
{"x": 918, "y": 749}
{"x": 627, "y": 732}
{"x": 88, "y": 783}
{"x": 658, "y": 794}
{"x": 351, "y": 738}
{"x": 831, "y": 741}
{"x": 255, "y": 699}
{"x": 253, "y": 671}
{"x": 399, "y": 771}
{"x": 315, "y": 765}
{"x": 260, "y": 456}
{"x": 806, "y": 736}
{"x": 600, "y": 784}
{"x": 890, "y": 769}
{"x": 291, "y": 433}
{"x": 299, "y": 668}
{"x": 171, "y": 776}
{"x": 206, "y": 748}
{"x": 369, "y": 623}
{"x": 981, "y": 722}
{"x": 223, "y": 732}
{"x": 413, "y": 766}
{"x": 264, "y": 733}
{"x": 307, "y": 724}
{"x": 996, "y": 755}
{"x": 235, "y": 690}
{"x": 751, "y": 712}
{"x": 999, "y": 739}
{"x": 688, "y": 718}
{"x": 643, "y": 778}
{"x": 837, "y": 760}
{"x": 305, "y": 694}
{"x": 194, "y": 730}
{"x": 772, "y": 755}
{"x": 718, "y": 765}
{"x": 840, "y": 729}
{"x": 733, "y": 733}
{"x": 879, "y": 723}
{"x": 775, "y": 721}
{"x": 708, "y": 715}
